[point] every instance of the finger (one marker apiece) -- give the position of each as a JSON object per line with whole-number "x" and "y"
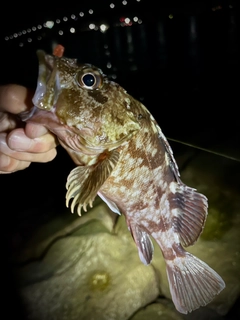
{"x": 18, "y": 141}
{"x": 8, "y": 164}
{"x": 43, "y": 155}
{"x": 15, "y": 98}
{"x": 7, "y": 121}
{"x": 34, "y": 130}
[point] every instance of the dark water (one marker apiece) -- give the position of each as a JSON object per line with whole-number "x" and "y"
{"x": 181, "y": 61}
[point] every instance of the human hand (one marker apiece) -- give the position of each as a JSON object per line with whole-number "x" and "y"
{"x": 21, "y": 144}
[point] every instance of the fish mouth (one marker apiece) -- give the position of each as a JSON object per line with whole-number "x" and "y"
{"x": 47, "y": 90}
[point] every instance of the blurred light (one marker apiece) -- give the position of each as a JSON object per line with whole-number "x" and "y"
{"x": 15, "y": 35}
{"x": 90, "y": 11}
{"x": 91, "y": 26}
{"x": 193, "y": 28}
{"x": 29, "y": 30}
{"x": 216, "y": 8}
{"x": 53, "y": 45}
{"x": 127, "y": 20}
{"x": 109, "y": 65}
{"x": 39, "y": 38}
{"x": 40, "y": 27}
{"x": 11, "y": 37}
{"x": 72, "y": 30}
{"x": 112, "y": 5}
{"x": 103, "y": 27}
{"x": 65, "y": 19}
{"x": 60, "y": 32}
{"x": 81, "y": 14}
{"x": 6, "y": 38}
{"x": 19, "y": 33}
{"x": 73, "y": 16}
{"x": 135, "y": 19}
{"x": 58, "y": 21}
{"x": 20, "y": 44}
{"x": 170, "y": 16}
{"x": 161, "y": 34}
{"x": 34, "y": 28}
{"x": 124, "y": 2}
{"x": 49, "y": 24}
{"x": 24, "y": 32}
{"x": 29, "y": 39}
{"x": 133, "y": 67}
{"x": 138, "y": 0}
{"x": 139, "y": 21}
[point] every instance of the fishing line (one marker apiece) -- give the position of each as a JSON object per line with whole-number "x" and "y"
{"x": 204, "y": 149}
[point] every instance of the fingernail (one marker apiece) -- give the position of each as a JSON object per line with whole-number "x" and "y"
{"x": 19, "y": 142}
{"x": 4, "y": 161}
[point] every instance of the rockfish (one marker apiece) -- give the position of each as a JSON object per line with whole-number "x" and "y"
{"x": 122, "y": 156}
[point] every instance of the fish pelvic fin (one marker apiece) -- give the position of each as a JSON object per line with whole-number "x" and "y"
{"x": 192, "y": 282}
{"x": 143, "y": 242}
{"x": 111, "y": 204}
{"x": 84, "y": 182}
{"x": 189, "y": 210}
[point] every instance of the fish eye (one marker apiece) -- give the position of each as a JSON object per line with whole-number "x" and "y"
{"x": 89, "y": 79}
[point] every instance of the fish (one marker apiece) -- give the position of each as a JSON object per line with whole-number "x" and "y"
{"x": 122, "y": 156}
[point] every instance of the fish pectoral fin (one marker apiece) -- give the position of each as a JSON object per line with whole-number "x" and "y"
{"x": 84, "y": 182}
{"x": 192, "y": 282}
{"x": 143, "y": 242}
{"x": 189, "y": 209}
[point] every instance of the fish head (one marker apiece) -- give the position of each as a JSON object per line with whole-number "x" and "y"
{"x": 79, "y": 104}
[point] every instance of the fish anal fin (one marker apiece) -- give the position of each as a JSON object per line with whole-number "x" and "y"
{"x": 192, "y": 283}
{"x": 84, "y": 182}
{"x": 143, "y": 242}
{"x": 189, "y": 209}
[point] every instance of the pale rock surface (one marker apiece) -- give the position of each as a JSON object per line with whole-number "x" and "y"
{"x": 88, "y": 267}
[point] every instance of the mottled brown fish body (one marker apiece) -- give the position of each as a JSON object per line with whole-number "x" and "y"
{"x": 122, "y": 155}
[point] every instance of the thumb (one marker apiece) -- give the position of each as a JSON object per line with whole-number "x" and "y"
{"x": 15, "y": 98}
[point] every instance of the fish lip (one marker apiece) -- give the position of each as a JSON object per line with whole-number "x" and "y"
{"x": 26, "y": 115}
{"x": 46, "y": 59}
{"x": 47, "y": 65}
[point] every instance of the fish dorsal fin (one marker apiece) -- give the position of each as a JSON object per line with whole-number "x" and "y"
{"x": 172, "y": 162}
{"x": 143, "y": 242}
{"x": 189, "y": 209}
{"x": 84, "y": 182}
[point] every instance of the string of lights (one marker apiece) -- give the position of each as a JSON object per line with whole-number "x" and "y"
{"x": 73, "y": 19}
{"x": 85, "y": 20}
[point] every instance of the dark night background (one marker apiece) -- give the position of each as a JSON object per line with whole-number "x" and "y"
{"x": 182, "y": 61}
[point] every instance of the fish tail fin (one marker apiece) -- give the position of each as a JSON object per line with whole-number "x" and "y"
{"x": 192, "y": 282}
